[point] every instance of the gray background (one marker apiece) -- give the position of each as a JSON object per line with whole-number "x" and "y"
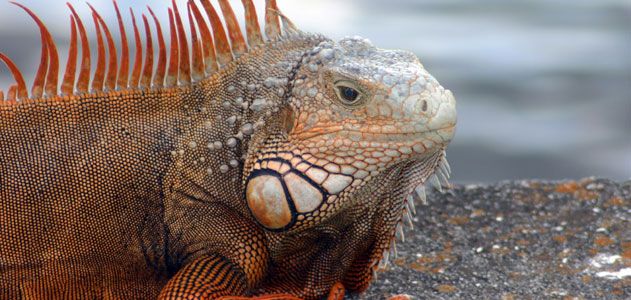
{"x": 543, "y": 87}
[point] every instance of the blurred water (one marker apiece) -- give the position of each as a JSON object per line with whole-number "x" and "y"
{"x": 543, "y": 87}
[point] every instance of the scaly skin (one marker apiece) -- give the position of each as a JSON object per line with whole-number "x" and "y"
{"x": 284, "y": 175}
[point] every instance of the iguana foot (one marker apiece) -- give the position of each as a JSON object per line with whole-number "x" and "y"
{"x": 264, "y": 297}
{"x": 337, "y": 292}
{"x": 206, "y": 278}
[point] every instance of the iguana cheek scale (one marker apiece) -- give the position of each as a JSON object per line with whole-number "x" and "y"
{"x": 209, "y": 164}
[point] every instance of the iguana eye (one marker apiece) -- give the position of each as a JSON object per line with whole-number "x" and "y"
{"x": 347, "y": 94}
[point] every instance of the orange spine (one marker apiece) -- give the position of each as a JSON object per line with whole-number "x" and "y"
{"x": 210, "y": 60}
{"x": 99, "y": 74}
{"x": 20, "y": 87}
{"x": 145, "y": 81}
{"x": 185, "y": 64}
{"x": 135, "y": 74}
{"x": 158, "y": 78}
{"x": 198, "y": 61}
{"x": 84, "y": 74}
{"x": 222, "y": 46}
{"x": 67, "y": 86}
{"x": 174, "y": 55}
{"x": 123, "y": 72}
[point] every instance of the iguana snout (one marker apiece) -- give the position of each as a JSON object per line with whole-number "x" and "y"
{"x": 355, "y": 110}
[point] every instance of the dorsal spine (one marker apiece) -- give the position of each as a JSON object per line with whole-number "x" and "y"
{"x": 210, "y": 47}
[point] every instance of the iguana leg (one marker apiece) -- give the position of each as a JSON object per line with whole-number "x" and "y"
{"x": 206, "y": 278}
{"x": 265, "y": 297}
{"x": 337, "y": 292}
{"x": 359, "y": 275}
{"x": 212, "y": 277}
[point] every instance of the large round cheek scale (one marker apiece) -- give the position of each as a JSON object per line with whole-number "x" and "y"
{"x": 267, "y": 201}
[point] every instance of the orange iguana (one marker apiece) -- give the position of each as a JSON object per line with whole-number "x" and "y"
{"x": 277, "y": 165}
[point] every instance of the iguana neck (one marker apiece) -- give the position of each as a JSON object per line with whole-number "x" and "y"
{"x": 227, "y": 112}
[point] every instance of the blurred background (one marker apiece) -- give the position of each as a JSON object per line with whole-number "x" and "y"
{"x": 543, "y": 87}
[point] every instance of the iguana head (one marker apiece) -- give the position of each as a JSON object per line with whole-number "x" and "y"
{"x": 354, "y": 114}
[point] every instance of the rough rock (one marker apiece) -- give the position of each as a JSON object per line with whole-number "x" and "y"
{"x": 516, "y": 240}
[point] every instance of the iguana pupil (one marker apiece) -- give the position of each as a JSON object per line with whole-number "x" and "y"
{"x": 349, "y": 94}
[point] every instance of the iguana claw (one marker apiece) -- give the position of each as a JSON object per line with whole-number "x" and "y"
{"x": 337, "y": 292}
{"x": 400, "y": 297}
{"x": 264, "y": 297}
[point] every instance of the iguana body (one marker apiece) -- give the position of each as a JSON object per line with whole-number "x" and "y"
{"x": 281, "y": 170}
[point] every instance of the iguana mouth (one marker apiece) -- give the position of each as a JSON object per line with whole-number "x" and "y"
{"x": 378, "y": 137}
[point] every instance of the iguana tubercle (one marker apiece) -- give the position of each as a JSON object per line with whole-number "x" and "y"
{"x": 277, "y": 165}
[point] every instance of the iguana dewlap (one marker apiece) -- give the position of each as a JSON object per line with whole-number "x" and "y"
{"x": 199, "y": 161}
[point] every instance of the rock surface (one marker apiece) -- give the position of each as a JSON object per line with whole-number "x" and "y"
{"x": 516, "y": 240}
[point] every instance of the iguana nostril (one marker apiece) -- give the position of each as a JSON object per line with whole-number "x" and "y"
{"x": 424, "y": 108}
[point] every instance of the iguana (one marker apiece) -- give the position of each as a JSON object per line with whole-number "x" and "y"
{"x": 275, "y": 164}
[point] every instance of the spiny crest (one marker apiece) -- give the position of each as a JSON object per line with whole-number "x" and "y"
{"x": 209, "y": 48}
{"x": 438, "y": 179}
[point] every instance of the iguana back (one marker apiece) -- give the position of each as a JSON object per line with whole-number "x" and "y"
{"x": 81, "y": 189}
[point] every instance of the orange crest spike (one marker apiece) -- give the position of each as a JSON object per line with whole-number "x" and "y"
{"x": 53, "y": 66}
{"x": 174, "y": 56}
{"x": 20, "y": 87}
{"x": 185, "y": 64}
{"x": 112, "y": 69}
{"x": 37, "y": 91}
{"x": 222, "y": 46}
{"x": 213, "y": 45}
{"x": 252, "y": 24}
{"x": 289, "y": 28}
{"x": 145, "y": 81}
{"x": 210, "y": 60}
{"x": 67, "y": 86}
{"x": 84, "y": 73}
{"x": 158, "y": 79}
{"x": 272, "y": 22}
{"x": 234, "y": 31}
{"x": 123, "y": 72}
{"x": 135, "y": 74}
{"x": 1, "y": 95}
{"x": 198, "y": 62}
{"x": 12, "y": 93}
{"x": 99, "y": 74}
